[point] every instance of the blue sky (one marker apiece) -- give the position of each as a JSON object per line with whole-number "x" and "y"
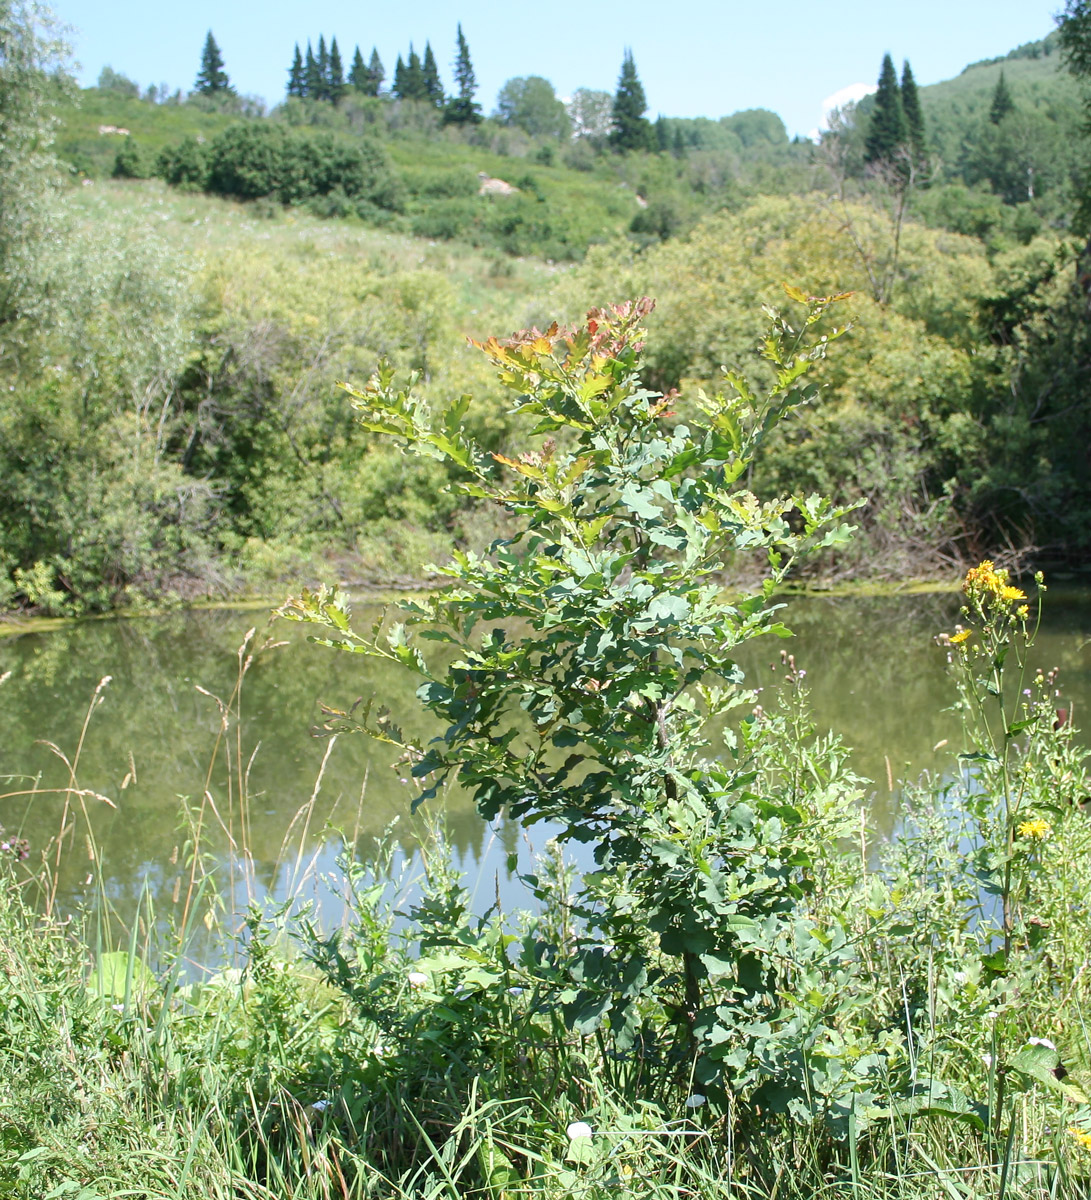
{"x": 694, "y": 57}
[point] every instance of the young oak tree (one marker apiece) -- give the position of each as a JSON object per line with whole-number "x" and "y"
{"x": 590, "y": 660}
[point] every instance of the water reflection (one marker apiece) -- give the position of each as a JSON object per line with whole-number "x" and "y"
{"x": 156, "y": 745}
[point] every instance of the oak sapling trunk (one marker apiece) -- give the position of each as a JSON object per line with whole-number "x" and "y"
{"x": 589, "y": 657}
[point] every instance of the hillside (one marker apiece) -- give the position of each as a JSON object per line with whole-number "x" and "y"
{"x": 1035, "y": 75}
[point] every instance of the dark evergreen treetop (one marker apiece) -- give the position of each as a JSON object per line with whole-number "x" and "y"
{"x": 376, "y": 73}
{"x": 413, "y": 86}
{"x": 212, "y": 79}
{"x": 322, "y": 61}
{"x": 312, "y": 78}
{"x": 631, "y": 129}
{"x": 358, "y": 76}
{"x": 889, "y": 131}
{"x": 462, "y": 109}
{"x": 399, "y": 77}
{"x": 430, "y": 72}
{"x": 297, "y": 81}
{"x": 1002, "y": 102}
{"x": 335, "y": 76}
{"x": 914, "y": 117}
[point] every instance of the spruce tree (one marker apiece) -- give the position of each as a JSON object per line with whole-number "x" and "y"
{"x": 376, "y": 73}
{"x": 631, "y": 129}
{"x": 413, "y": 77}
{"x": 212, "y": 79}
{"x": 888, "y": 132}
{"x": 1002, "y": 103}
{"x": 662, "y": 135}
{"x": 312, "y": 79}
{"x": 914, "y": 117}
{"x": 398, "y": 86}
{"x": 358, "y": 77}
{"x": 462, "y": 109}
{"x": 430, "y": 74}
{"x": 297, "y": 81}
{"x": 322, "y": 61}
{"x": 335, "y": 79}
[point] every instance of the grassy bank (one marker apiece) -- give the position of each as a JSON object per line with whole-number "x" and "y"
{"x": 436, "y": 1057}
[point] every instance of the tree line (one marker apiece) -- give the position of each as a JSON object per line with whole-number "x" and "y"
{"x": 320, "y": 75}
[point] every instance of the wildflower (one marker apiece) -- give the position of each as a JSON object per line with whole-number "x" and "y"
{"x": 956, "y": 639}
{"x": 1022, "y": 612}
{"x": 578, "y": 1129}
{"x": 695, "y": 1101}
{"x": 1012, "y": 593}
{"x": 1037, "y": 1041}
{"x": 417, "y": 979}
{"x": 1037, "y": 829}
{"x": 1081, "y": 1136}
{"x": 983, "y": 577}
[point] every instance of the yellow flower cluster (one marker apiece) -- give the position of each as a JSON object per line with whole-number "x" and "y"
{"x": 985, "y": 578}
{"x": 1037, "y": 829}
{"x": 1081, "y": 1136}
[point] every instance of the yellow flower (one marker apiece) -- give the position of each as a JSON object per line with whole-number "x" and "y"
{"x": 1037, "y": 829}
{"x": 1012, "y": 593}
{"x": 1081, "y": 1136}
{"x": 1022, "y": 611}
{"x": 982, "y": 576}
{"x": 957, "y": 639}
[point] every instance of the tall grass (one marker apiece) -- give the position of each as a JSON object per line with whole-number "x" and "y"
{"x": 413, "y": 1049}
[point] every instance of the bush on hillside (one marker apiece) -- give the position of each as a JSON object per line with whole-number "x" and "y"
{"x": 251, "y": 161}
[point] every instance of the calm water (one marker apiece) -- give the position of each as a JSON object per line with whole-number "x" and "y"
{"x": 876, "y": 676}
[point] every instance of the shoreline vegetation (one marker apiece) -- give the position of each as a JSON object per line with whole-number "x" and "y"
{"x": 196, "y": 275}
{"x": 750, "y": 989}
{"x": 752, "y": 995}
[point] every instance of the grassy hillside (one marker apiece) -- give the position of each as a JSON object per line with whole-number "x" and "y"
{"x": 154, "y": 126}
{"x": 1035, "y": 75}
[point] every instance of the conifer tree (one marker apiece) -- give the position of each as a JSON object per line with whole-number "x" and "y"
{"x": 398, "y": 85}
{"x": 430, "y": 74}
{"x": 297, "y": 81}
{"x": 335, "y": 79}
{"x": 914, "y": 117}
{"x": 631, "y": 129}
{"x": 358, "y": 77}
{"x": 1002, "y": 102}
{"x": 322, "y": 61}
{"x": 462, "y": 109}
{"x": 888, "y": 132}
{"x": 212, "y": 79}
{"x": 376, "y": 73}
{"x": 662, "y": 135}
{"x": 312, "y": 79}
{"x": 413, "y": 77}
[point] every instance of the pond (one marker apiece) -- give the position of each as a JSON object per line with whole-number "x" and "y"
{"x": 275, "y": 805}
